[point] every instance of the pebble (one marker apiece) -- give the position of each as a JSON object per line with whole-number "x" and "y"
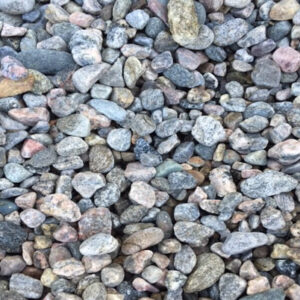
{"x": 32, "y": 217}
{"x": 101, "y": 159}
{"x": 240, "y": 242}
{"x": 75, "y": 125}
{"x": 268, "y": 183}
{"x": 137, "y": 19}
{"x": 142, "y": 193}
{"x": 208, "y": 131}
{"x": 26, "y": 286}
{"x": 60, "y": 207}
{"x": 231, "y": 286}
{"x": 287, "y": 58}
{"x": 284, "y": 10}
{"x": 112, "y": 275}
{"x": 98, "y": 244}
{"x": 207, "y": 272}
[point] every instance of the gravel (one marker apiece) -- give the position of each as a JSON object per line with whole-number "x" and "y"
{"x": 149, "y": 149}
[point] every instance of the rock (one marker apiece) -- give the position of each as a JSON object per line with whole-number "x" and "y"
{"x": 9, "y": 87}
{"x": 30, "y": 116}
{"x": 42, "y": 84}
{"x": 12, "y": 68}
{"x": 208, "y": 131}
{"x": 71, "y": 145}
{"x": 162, "y": 62}
{"x": 231, "y": 286}
{"x": 284, "y": 10}
{"x": 32, "y": 217}
{"x": 101, "y": 159}
{"x": 287, "y": 58}
{"x": 74, "y": 125}
{"x": 137, "y": 172}
{"x": 237, "y": 3}
{"x": 11, "y": 264}
{"x": 183, "y": 21}
{"x": 68, "y": 268}
{"x": 266, "y": 73}
{"x": 7, "y": 207}
{"x": 285, "y": 152}
{"x": 98, "y": 244}
{"x": 17, "y": 7}
{"x": 11, "y": 237}
{"x": 45, "y": 61}
{"x": 112, "y": 275}
{"x": 26, "y": 286}
{"x": 185, "y": 260}
{"x": 116, "y": 37}
{"x": 95, "y": 291}
{"x": 142, "y": 193}
{"x": 230, "y": 32}
{"x": 272, "y": 218}
{"x": 141, "y": 240}
{"x": 16, "y": 173}
{"x": 133, "y": 70}
{"x": 119, "y": 139}
{"x": 81, "y": 19}
{"x": 240, "y": 242}
{"x": 268, "y": 183}
{"x": 61, "y": 207}
{"x": 253, "y": 37}
{"x": 186, "y": 212}
{"x": 192, "y": 233}
{"x": 175, "y": 280}
{"x": 87, "y": 183}
{"x": 137, "y": 19}
{"x": 120, "y": 9}
{"x": 84, "y": 78}
{"x": 110, "y": 109}
{"x": 208, "y": 271}
{"x": 152, "y": 99}
{"x": 257, "y": 285}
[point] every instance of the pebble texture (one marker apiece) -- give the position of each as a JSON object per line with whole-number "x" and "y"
{"x": 149, "y": 149}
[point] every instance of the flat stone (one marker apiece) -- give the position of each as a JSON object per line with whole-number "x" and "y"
{"x": 240, "y": 242}
{"x": 69, "y": 268}
{"x": 267, "y": 184}
{"x": 71, "y": 145}
{"x": 16, "y": 173}
{"x": 30, "y": 116}
{"x": 207, "y": 272}
{"x": 61, "y": 207}
{"x": 17, "y": 7}
{"x": 26, "y": 286}
{"x": 98, "y": 244}
{"x": 32, "y": 217}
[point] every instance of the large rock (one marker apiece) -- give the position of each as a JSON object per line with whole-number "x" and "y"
{"x": 284, "y": 10}
{"x": 183, "y": 21}
{"x": 9, "y": 87}
{"x": 240, "y": 242}
{"x": 208, "y": 271}
{"x": 46, "y": 61}
{"x": 268, "y": 183}
{"x": 16, "y": 7}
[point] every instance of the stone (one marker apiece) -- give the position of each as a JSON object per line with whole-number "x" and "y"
{"x": 240, "y": 242}
{"x": 268, "y": 183}
{"x": 61, "y": 207}
{"x": 110, "y": 109}
{"x": 16, "y": 173}
{"x": 284, "y": 10}
{"x": 87, "y": 183}
{"x": 11, "y": 237}
{"x": 12, "y": 264}
{"x": 95, "y": 291}
{"x": 81, "y": 19}
{"x": 186, "y": 212}
{"x": 137, "y": 19}
{"x": 137, "y": 262}
{"x": 133, "y": 69}
{"x": 74, "y": 125}
{"x": 12, "y": 68}
{"x": 230, "y": 32}
{"x": 266, "y": 73}
{"x": 287, "y": 58}
{"x": 142, "y": 193}
{"x": 185, "y": 260}
{"x": 258, "y": 285}
{"x": 84, "y": 78}
{"x": 68, "y": 268}
{"x": 183, "y": 21}
{"x": 98, "y": 244}
{"x": 141, "y": 240}
{"x": 207, "y": 272}
{"x": 208, "y": 131}
{"x": 116, "y": 37}
{"x": 231, "y": 286}
{"x": 17, "y": 7}
{"x": 9, "y": 87}
{"x": 119, "y": 139}
{"x": 26, "y": 286}
{"x": 272, "y": 218}
{"x": 162, "y": 62}
{"x": 152, "y": 99}
{"x": 192, "y": 233}
{"x": 101, "y": 159}
{"x": 32, "y": 217}
{"x": 30, "y": 116}
{"x": 71, "y": 145}
{"x": 112, "y": 275}
{"x": 237, "y": 3}
{"x": 46, "y": 61}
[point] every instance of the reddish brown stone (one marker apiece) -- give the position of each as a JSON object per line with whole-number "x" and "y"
{"x": 10, "y": 87}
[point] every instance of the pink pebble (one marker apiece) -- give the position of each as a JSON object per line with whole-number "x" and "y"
{"x": 31, "y": 147}
{"x": 288, "y": 59}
